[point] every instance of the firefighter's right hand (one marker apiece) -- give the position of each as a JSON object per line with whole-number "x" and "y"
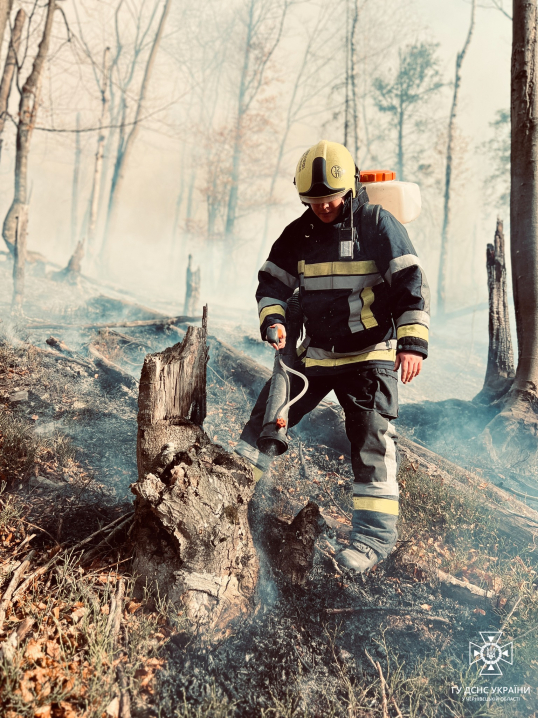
{"x": 281, "y": 336}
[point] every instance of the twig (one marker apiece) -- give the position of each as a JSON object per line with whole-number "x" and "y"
{"x": 390, "y": 609}
{"x": 6, "y": 598}
{"x": 39, "y": 528}
{"x": 377, "y": 666}
{"x": 23, "y": 543}
{"x": 219, "y": 376}
{"x": 63, "y": 357}
{"x": 118, "y": 613}
{"x": 43, "y": 569}
{"x": 516, "y": 604}
{"x": 94, "y": 551}
{"x": 331, "y": 559}
{"x": 398, "y": 711}
{"x": 10, "y": 645}
{"x": 125, "y": 698}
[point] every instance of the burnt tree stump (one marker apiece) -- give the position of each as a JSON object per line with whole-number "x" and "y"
{"x": 192, "y": 538}
{"x": 192, "y": 289}
{"x": 500, "y": 371}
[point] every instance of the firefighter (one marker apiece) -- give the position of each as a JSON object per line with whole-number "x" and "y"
{"x": 365, "y": 301}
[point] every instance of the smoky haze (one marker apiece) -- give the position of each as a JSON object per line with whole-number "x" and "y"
{"x": 223, "y": 124}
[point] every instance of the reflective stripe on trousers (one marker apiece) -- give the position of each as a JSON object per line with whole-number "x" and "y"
{"x": 369, "y": 399}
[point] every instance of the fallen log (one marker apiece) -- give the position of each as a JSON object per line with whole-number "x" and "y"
{"x": 164, "y": 322}
{"x": 64, "y": 357}
{"x": 192, "y": 537}
{"x": 112, "y": 370}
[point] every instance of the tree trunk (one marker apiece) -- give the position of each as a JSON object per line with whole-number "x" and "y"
{"x": 353, "y": 76}
{"x": 500, "y": 370}
{"x": 443, "y": 258}
{"x": 192, "y": 289}
{"x": 9, "y": 69}
{"x": 74, "y": 189}
{"x": 99, "y": 153}
{"x": 192, "y": 537}
{"x": 19, "y": 260}
{"x": 127, "y": 146}
{"x": 5, "y": 10}
{"x": 511, "y": 436}
{"x": 74, "y": 266}
{"x": 28, "y": 106}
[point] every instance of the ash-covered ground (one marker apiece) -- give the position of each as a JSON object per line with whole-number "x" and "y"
{"x": 307, "y": 651}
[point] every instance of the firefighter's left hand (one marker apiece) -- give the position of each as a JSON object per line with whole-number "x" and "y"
{"x": 411, "y": 363}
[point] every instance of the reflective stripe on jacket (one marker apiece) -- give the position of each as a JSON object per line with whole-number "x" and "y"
{"x": 364, "y": 308}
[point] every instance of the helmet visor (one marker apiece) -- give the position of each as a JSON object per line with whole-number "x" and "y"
{"x": 323, "y": 200}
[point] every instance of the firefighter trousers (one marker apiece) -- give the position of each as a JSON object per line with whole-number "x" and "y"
{"x": 369, "y": 398}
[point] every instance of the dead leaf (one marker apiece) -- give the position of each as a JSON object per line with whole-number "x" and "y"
{"x": 53, "y": 650}
{"x": 78, "y": 613}
{"x": 426, "y": 607}
{"x": 113, "y": 708}
{"x": 26, "y": 694}
{"x": 56, "y": 612}
{"x": 42, "y": 712}
{"x": 480, "y": 611}
{"x": 33, "y": 650}
{"x": 133, "y": 606}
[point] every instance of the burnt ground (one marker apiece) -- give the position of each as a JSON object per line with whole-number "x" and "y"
{"x": 305, "y": 652}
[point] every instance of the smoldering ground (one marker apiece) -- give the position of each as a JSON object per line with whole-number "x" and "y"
{"x": 306, "y": 650}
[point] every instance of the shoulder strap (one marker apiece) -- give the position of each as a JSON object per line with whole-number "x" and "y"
{"x": 370, "y": 216}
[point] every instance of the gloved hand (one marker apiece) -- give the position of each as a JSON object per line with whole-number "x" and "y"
{"x": 281, "y": 336}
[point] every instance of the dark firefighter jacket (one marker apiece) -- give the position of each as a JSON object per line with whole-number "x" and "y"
{"x": 362, "y": 308}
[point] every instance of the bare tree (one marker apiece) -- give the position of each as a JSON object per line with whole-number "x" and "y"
{"x": 99, "y": 153}
{"x": 443, "y": 258}
{"x": 9, "y": 69}
{"x": 74, "y": 186}
{"x": 500, "y": 370}
{"x": 28, "y": 107}
{"x": 263, "y": 22}
{"x": 5, "y": 10}
{"x": 416, "y": 79}
{"x": 127, "y": 138}
{"x": 513, "y": 432}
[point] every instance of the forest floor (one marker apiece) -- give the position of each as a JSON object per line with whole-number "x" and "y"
{"x": 75, "y": 643}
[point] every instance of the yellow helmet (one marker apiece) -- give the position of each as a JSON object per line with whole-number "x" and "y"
{"x": 325, "y": 172}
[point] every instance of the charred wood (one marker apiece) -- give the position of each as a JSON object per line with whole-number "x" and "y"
{"x": 500, "y": 371}
{"x": 192, "y": 537}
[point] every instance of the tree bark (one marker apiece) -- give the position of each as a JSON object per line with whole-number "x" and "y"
{"x": 19, "y": 260}
{"x": 99, "y": 153}
{"x": 72, "y": 271}
{"x": 192, "y": 537}
{"x": 28, "y": 106}
{"x": 511, "y": 436}
{"x": 192, "y": 289}
{"x": 441, "y": 282}
{"x": 126, "y": 146}
{"x": 9, "y": 69}
{"x": 74, "y": 188}
{"x": 5, "y": 10}
{"x": 500, "y": 370}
